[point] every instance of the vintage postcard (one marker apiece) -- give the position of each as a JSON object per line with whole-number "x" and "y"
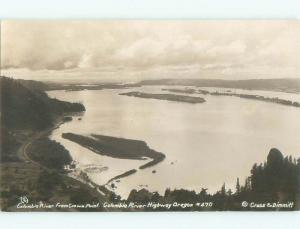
{"x": 141, "y": 115}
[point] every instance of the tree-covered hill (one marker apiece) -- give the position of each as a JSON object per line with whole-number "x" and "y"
{"x": 28, "y": 107}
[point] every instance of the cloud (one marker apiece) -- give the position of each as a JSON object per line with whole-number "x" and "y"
{"x": 85, "y": 61}
{"x": 152, "y": 48}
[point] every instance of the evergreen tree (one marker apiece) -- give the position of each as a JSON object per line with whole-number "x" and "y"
{"x": 223, "y": 190}
{"x": 237, "y": 186}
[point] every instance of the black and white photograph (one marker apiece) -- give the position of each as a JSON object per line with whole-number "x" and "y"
{"x": 150, "y": 115}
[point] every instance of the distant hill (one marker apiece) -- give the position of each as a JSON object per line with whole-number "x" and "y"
{"x": 286, "y": 85}
{"x": 33, "y": 85}
{"x": 25, "y": 106}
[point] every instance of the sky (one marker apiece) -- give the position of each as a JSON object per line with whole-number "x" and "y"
{"x": 108, "y": 50}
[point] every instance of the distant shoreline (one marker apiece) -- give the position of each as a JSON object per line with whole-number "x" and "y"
{"x": 240, "y": 95}
{"x": 287, "y": 85}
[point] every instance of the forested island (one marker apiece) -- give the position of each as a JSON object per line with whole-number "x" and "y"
{"x": 240, "y": 95}
{"x": 117, "y": 148}
{"x": 169, "y": 97}
{"x": 260, "y": 98}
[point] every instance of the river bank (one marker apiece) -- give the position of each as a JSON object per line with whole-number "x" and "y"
{"x": 39, "y": 180}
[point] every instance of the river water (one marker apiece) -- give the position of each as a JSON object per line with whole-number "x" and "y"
{"x": 205, "y": 144}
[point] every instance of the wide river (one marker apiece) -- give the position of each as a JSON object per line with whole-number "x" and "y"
{"x": 205, "y": 144}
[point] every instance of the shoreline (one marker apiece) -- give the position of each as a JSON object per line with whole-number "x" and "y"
{"x": 85, "y": 180}
{"x": 119, "y": 148}
{"x": 59, "y": 120}
{"x": 239, "y": 95}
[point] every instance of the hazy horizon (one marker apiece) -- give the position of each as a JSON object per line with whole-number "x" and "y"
{"x": 131, "y": 51}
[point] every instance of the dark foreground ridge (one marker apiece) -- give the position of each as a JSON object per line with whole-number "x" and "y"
{"x": 117, "y": 147}
{"x": 31, "y": 164}
{"x": 169, "y": 97}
